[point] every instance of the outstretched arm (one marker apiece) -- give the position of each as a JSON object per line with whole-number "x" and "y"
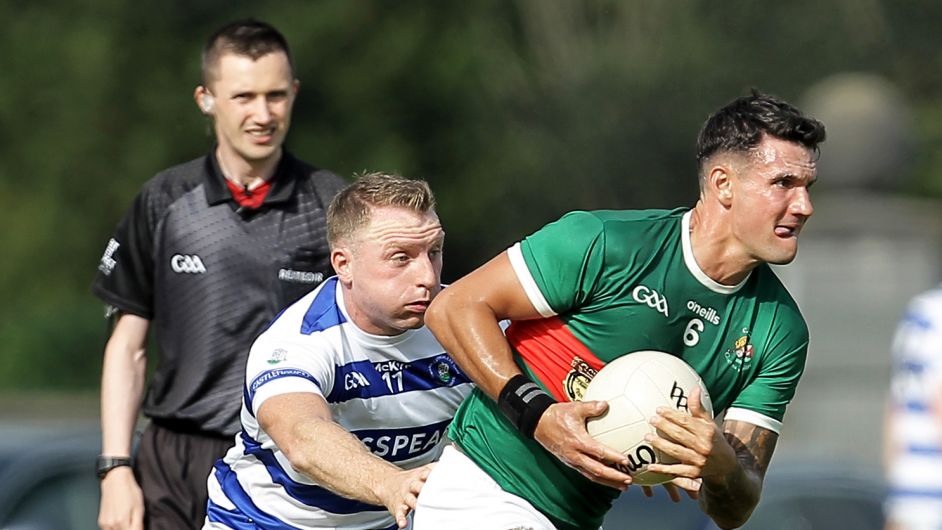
{"x": 302, "y": 427}
{"x": 464, "y": 318}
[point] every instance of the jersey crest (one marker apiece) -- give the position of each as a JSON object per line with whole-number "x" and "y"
{"x": 578, "y": 379}
{"x": 741, "y": 354}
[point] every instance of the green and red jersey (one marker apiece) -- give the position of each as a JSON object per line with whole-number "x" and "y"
{"x": 609, "y": 283}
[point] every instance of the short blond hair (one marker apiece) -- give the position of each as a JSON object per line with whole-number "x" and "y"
{"x": 349, "y": 211}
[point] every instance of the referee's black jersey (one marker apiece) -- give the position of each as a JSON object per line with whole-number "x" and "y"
{"x": 210, "y": 275}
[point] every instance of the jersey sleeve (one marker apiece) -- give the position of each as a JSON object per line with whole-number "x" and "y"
{"x": 763, "y": 401}
{"x": 560, "y": 264}
{"x": 126, "y": 270}
{"x": 329, "y": 185}
{"x": 278, "y": 365}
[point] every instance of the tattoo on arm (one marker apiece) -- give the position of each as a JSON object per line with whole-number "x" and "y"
{"x": 730, "y": 502}
{"x": 753, "y": 446}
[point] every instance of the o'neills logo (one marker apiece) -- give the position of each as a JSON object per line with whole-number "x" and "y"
{"x": 706, "y": 313}
{"x": 578, "y": 379}
{"x": 291, "y": 275}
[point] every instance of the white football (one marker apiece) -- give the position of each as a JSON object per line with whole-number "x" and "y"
{"x": 634, "y": 386}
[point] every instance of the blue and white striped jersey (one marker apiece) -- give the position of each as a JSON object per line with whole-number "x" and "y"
{"x": 396, "y": 394}
{"x": 915, "y": 416}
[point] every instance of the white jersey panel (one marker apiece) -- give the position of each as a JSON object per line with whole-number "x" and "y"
{"x": 396, "y": 394}
{"x": 915, "y": 431}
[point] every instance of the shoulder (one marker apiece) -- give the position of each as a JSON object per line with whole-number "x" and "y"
{"x": 640, "y": 217}
{"x": 612, "y": 236}
{"x": 158, "y": 193}
{"x": 603, "y": 222}
{"x": 777, "y": 301}
{"x": 177, "y": 180}
{"x": 925, "y": 309}
{"x": 319, "y": 178}
{"x": 317, "y": 310}
{"x": 628, "y": 217}
{"x": 929, "y": 301}
{"x": 297, "y": 331}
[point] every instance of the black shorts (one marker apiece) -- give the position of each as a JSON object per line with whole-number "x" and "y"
{"x": 172, "y": 468}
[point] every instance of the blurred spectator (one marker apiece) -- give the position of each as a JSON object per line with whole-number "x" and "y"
{"x": 913, "y": 430}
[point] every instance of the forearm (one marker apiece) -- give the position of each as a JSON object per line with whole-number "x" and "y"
{"x": 731, "y": 492}
{"x": 470, "y": 333}
{"x": 729, "y": 501}
{"x": 337, "y": 460}
{"x": 466, "y": 318}
{"x": 122, "y": 386}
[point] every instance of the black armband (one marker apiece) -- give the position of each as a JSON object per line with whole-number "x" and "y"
{"x": 523, "y": 402}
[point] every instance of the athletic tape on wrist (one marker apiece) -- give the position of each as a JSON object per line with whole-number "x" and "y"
{"x": 523, "y": 402}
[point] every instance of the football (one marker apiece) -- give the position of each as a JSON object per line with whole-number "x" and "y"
{"x": 634, "y": 386}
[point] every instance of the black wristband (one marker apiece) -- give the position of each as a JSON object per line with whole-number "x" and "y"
{"x": 523, "y": 402}
{"x": 104, "y": 464}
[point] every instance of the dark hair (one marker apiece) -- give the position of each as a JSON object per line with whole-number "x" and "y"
{"x": 739, "y": 126}
{"x": 249, "y": 37}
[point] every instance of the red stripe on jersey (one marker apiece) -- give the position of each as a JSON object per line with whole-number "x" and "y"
{"x": 551, "y": 352}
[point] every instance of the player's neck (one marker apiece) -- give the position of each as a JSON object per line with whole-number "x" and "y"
{"x": 247, "y": 173}
{"x": 715, "y": 248}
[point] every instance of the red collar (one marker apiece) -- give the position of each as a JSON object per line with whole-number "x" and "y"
{"x": 249, "y": 198}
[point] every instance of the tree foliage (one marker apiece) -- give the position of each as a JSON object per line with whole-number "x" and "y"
{"x": 514, "y": 111}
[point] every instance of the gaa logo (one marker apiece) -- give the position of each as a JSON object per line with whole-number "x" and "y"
{"x": 354, "y": 380}
{"x": 182, "y": 263}
{"x": 653, "y": 299}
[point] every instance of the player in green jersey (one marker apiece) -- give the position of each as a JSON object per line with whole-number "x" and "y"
{"x": 594, "y": 286}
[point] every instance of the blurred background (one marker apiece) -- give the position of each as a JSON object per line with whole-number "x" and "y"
{"x": 515, "y": 112}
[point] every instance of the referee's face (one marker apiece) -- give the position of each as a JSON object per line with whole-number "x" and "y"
{"x": 251, "y": 102}
{"x": 391, "y": 270}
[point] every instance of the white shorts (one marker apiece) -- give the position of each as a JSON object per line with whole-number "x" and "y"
{"x": 458, "y": 495}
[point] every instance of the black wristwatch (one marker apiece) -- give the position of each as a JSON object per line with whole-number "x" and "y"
{"x": 104, "y": 464}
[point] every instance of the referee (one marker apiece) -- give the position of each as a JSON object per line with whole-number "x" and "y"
{"x": 208, "y": 253}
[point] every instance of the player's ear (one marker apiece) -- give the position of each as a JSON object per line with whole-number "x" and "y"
{"x": 720, "y": 181}
{"x": 341, "y": 261}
